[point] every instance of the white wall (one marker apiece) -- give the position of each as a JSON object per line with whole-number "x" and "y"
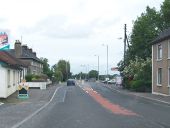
{"x": 41, "y": 85}
{"x": 6, "y": 90}
{"x": 3, "y": 84}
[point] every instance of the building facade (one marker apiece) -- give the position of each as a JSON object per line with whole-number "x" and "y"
{"x": 12, "y": 72}
{"x": 161, "y": 64}
{"x": 25, "y": 54}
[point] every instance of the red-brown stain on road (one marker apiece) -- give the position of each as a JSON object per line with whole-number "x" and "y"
{"x": 114, "y": 108}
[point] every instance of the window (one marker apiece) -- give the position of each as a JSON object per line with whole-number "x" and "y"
{"x": 168, "y": 76}
{"x": 159, "y": 76}
{"x": 8, "y": 79}
{"x": 159, "y": 55}
{"x": 168, "y": 48}
{"x": 14, "y": 79}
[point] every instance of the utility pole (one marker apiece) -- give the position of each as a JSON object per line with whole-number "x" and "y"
{"x": 66, "y": 71}
{"x": 98, "y": 65}
{"x": 107, "y": 63}
{"x": 98, "y": 68}
{"x": 125, "y": 42}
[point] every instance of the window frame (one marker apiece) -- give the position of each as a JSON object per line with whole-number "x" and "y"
{"x": 159, "y": 52}
{"x": 168, "y": 49}
{"x": 8, "y": 78}
{"x": 159, "y": 78}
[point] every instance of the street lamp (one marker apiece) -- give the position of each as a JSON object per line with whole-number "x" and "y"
{"x": 107, "y": 59}
{"x": 98, "y": 65}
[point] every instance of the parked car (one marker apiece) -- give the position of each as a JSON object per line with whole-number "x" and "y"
{"x": 111, "y": 82}
{"x": 71, "y": 82}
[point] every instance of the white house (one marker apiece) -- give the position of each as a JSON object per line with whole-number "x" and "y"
{"x": 12, "y": 71}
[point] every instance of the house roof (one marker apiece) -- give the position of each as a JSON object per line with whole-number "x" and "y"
{"x": 11, "y": 60}
{"x": 25, "y": 55}
{"x": 162, "y": 36}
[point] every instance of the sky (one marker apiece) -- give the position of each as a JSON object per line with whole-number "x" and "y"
{"x": 73, "y": 30}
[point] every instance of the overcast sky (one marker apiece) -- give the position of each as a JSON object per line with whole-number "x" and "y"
{"x": 73, "y": 30}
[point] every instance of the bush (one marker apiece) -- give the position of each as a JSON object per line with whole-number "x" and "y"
{"x": 141, "y": 85}
{"x": 29, "y": 77}
{"x": 36, "y": 78}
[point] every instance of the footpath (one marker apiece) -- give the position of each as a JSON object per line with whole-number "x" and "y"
{"x": 14, "y": 110}
{"x": 146, "y": 95}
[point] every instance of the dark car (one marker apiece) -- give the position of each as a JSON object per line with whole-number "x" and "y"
{"x": 71, "y": 82}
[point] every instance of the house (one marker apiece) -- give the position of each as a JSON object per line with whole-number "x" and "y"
{"x": 22, "y": 52}
{"x": 161, "y": 64}
{"x": 12, "y": 71}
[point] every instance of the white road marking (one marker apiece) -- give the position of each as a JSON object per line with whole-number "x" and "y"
{"x": 36, "y": 112}
{"x": 87, "y": 92}
{"x": 64, "y": 96}
{"x": 1, "y": 103}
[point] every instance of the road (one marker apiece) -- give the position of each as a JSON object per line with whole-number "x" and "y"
{"x": 92, "y": 105}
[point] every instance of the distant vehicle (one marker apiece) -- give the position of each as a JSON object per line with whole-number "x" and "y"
{"x": 118, "y": 80}
{"x": 106, "y": 81}
{"x": 111, "y": 81}
{"x": 71, "y": 82}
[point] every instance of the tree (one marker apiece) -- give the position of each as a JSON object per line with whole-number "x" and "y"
{"x": 93, "y": 74}
{"x": 145, "y": 29}
{"x": 165, "y": 14}
{"x": 136, "y": 65}
{"x": 64, "y": 67}
{"x": 46, "y": 67}
{"x": 58, "y": 75}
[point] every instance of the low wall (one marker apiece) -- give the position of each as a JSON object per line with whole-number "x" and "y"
{"x": 41, "y": 85}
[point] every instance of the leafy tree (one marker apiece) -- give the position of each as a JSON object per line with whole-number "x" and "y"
{"x": 93, "y": 74}
{"x": 139, "y": 69}
{"x": 46, "y": 67}
{"x": 136, "y": 65}
{"x": 58, "y": 75}
{"x": 64, "y": 67}
{"x": 165, "y": 14}
{"x": 145, "y": 30}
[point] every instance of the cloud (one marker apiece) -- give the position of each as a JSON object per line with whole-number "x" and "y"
{"x": 59, "y": 27}
{"x": 62, "y": 27}
{"x": 2, "y": 20}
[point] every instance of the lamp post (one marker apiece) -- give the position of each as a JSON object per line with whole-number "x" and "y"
{"x": 107, "y": 60}
{"x": 98, "y": 65}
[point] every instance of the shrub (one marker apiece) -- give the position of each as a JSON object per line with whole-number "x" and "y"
{"x": 36, "y": 78}
{"x": 29, "y": 77}
{"x": 141, "y": 85}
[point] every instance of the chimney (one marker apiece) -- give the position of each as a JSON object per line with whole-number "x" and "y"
{"x": 24, "y": 47}
{"x": 18, "y": 49}
{"x": 34, "y": 53}
{"x": 30, "y": 50}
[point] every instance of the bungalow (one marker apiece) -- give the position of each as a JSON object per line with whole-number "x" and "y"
{"x": 12, "y": 71}
{"x": 161, "y": 64}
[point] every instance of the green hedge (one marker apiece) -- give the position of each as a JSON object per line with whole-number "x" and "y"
{"x": 35, "y": 78}
{"x": 140, "y": 86}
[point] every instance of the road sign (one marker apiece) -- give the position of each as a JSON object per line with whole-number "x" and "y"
{"x": 23, "y": 90}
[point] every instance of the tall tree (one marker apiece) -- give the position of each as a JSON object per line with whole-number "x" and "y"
{"x": 64, "y": 67}
{"x": 46, "y": 67}
{"x": 165, "y": 14}
{"x": 58, "y": 75}
{"x": 145, "y": 29}
{"x": 93, "y": 74}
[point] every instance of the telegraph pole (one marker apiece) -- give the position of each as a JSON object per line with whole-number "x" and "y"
{"x": 126, "y": 42}
{"x": 125, "y": 38}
